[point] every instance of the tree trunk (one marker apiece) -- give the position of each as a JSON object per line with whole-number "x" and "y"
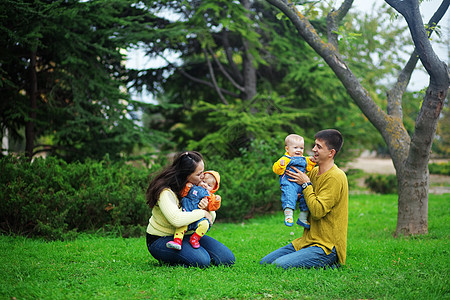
{"x": 412, "y": 215}
{"x": 409, "y": 155}
{"x": 249, "y": 70}
{"x": 29, "y": 125}
{"x": 414, "y": 178}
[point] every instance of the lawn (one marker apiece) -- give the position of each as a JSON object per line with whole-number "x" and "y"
{"x": 378, "y": 265}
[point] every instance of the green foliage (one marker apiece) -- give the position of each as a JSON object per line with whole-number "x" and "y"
{"x": 54, "y": 199}
{"x": 80, "y": 77}
{"x": 382, "y": 184}
{"x": 378, "y": 266}
{"x": 353, "y": 175}
{"x": 233, "y": 127}
{"x": 248, "y": 185}
{"x": 439, "y": 168}
{"x": 290, "y": 80}
{"x": 441, "y": 145}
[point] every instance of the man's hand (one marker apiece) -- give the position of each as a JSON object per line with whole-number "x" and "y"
{"x": 297, "y": 176}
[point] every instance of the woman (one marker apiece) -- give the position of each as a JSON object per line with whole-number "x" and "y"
{"x": 163, "y": 196}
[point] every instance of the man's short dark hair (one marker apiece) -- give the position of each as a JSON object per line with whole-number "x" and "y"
{"x": 333, "y": 139}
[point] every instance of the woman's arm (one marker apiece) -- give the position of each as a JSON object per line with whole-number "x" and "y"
{"x": 168, "y": 203}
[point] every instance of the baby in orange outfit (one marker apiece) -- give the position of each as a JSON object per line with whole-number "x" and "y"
{"x": 192, "y": 195}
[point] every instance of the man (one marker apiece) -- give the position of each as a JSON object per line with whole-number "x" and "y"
{"x": 326, "y": 194}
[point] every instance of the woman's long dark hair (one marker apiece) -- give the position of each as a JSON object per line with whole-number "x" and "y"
{"x": 174, "y": 176}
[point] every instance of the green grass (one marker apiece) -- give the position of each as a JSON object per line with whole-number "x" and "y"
{"x": 378, "y": 266}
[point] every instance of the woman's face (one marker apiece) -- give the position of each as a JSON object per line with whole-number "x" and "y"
{"x": 198, "y": 175}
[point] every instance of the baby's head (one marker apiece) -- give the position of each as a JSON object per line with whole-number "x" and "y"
{"x": 211, "y": 181}
{"x": 294, "y": 145}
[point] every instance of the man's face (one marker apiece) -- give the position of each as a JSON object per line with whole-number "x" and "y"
{"x": 321, "y": 151}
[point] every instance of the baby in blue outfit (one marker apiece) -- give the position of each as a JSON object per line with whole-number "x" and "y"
{"x": 292, "y": 192}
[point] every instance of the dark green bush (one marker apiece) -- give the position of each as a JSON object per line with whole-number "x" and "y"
{"x": 55, "y": 199}
{"x": 382, "y": 184}
{"x": 439, "y": 168}
{"x": 51, "y": 198}
{"x": 248, "y": 185}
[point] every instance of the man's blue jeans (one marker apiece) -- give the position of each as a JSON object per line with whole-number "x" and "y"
{"x": 211, "y": 251}
{"x": 311, "y": 257}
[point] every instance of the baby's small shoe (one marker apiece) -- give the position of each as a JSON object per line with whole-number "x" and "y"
{"x": 195, "y": 241}
{"x": 173, "y": 245}
{"x": 288, "y": 221}
{"x": 303, "y": 223}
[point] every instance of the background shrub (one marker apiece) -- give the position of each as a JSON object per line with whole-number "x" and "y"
{"x": 52, "y": 198}
{"x": 353, "y": 175}
{"x": 57, "y": 200}
{"x": 439, "y": 168}
{"x": 382, "y": 184}
{"x": 248, "y": 184}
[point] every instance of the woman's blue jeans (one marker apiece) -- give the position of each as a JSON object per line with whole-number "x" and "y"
{"x": 211, "y": 251}
{"x": 311, "y": 257}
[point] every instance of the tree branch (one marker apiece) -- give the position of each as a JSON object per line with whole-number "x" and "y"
{"x": 229, "y": 53}
{"x": 329, "y": 53}
{"x": 334, "y": 17}
{"x": 224, "y": 72}
{"x": 198, "y": 80}
{"x": 410, "y": 10}
{"x": 398, "y": 143}
{"x": 394, "y": 96}
{"x": 426, "y": 122}
{"x": 213, "y": 77}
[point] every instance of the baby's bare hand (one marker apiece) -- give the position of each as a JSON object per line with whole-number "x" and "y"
{"x": 203, "y": 204}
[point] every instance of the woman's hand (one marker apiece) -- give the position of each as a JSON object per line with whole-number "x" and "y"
{"x": 297, "y": 176}
{"x": 203, "y": 204}
{"x": 209, "y": 217}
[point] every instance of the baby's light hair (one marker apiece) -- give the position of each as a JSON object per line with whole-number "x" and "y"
{"x": 292, "y": 137}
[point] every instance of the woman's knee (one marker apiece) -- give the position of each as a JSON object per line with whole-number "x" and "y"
{"x": 226, "y": 258}
{"x": 219, "y": 253}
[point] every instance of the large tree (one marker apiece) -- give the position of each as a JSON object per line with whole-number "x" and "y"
{"x": 233, "y": 77}
{"x": 410, "y": 154}
{"x": 63, "y": 77}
